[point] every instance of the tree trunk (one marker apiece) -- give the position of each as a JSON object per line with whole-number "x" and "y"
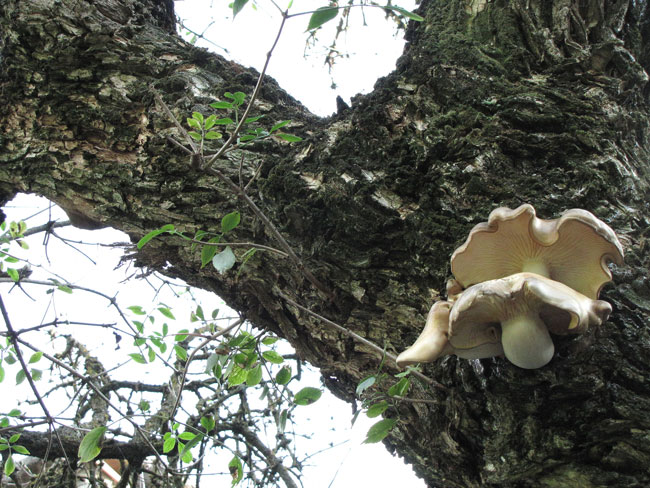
{"x": 492, "y": 104}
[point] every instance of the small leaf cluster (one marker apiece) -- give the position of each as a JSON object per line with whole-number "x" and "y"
{"x": 222, "y": 260}
{"x": 375, "y": 402}
{"x": 323, "y": 15}
{"x": 11, "y": 232}
{"x": 10, "y": 445}
{"x": 185, "y": 441}
{"x": 8, "y": 356}
{"x": 204, "y": 127}
{"x": 158, "y": 339}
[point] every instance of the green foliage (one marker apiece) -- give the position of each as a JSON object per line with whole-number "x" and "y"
{"x": 90, "y": 446}
{"x": 380, "y": 392}
{"x": 236, "y": 470}
{"x": 307, "y": 396}
{"x": 321, "y": 16}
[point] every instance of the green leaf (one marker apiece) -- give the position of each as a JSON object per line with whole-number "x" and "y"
{"x": 273, "y": 357}
{"x": 288, "y": 137}
{"x": 20, "y": 450}
{"x": 199, "y": 312}
{"x": 89, "y": 448}
{"x": 14, "y": 438}
{"x": 365, "y": 384}
{"x": 208, "y": 252}
{"x": 137, "y": 309}
{"x": 225, "y": 260}
{"x": 400, "y": 388}
{"x": 406, "y": 13}
{"x": 230, "y": 221}
{"x": 224, "y": 121}
{"x": 166, "y": 312}
{"x": 237, "y": 5}
{"x": 194, "y": 123}
{"x": 65, "y": 289}
{"x": 284, "y": 375}
{"x": 236, "y": 470}
{"x": 194, "y": 440}
{"x": 138, "y": 358}
{"x": 279, "y": 125}
{"x": 144, "y": 405}
{"x": 238, "y": 97}
{"x": 213, "y": 135}
{"x": 321, "y": 16}
{"x": 250, "y": 120}
{"x": 210, "y": 121}
{"x": 139, "y": 341}
{"x": 195, "y": 135}
{"x": 154, "y": 233}
{"x": 181, "y": 336}
{"x": 2, "y": 374}
{"x": 207, "y": 423}
{"x": 187, "y": 436}
{"x": 254, "y": 376}
{"x": 169, "y": 444}
{"x": 377, "y": 409}
{"x": 181, "y": 353}
{"x": 20, "y": 376}
{"x": 267, "y": 341}
{"x": 221, "y": 105}
{"x": 9, "y": 465}
{"x": 151, "y": 354}
{"x": 198, "y": 116}
{"x": 165, "y": 329}
{"x": 237, "y": 376}
{"x": 379, "y": 430}
{"x": 37, "y": 374}
{"x": 307, "y": 396}
{"x": 13, "y": 274}
{"x": 14, "y": 413}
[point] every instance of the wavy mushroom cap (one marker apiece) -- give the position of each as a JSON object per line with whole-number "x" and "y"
{"x": 524, "y": 307}
{"x": 573, "y": 249}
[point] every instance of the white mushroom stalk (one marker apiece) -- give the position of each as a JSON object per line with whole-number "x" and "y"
{"x": 527, "y": 306}
{"x": 526, "y": 341}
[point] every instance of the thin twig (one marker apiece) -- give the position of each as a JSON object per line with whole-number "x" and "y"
{"x": 260, "y": 79}
{"x": 241, "y": 244}
{"x": 13, "y": 337}
{"x": 273, "y": 229}
{"x": 363, "y": 340}
{"x": 189, "y": 360}
{"x": 97, "y": 390}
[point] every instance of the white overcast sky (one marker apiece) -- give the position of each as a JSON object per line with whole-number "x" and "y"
{"x": 372, "y": 49}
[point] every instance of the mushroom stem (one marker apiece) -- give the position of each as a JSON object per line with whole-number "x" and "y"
{"x": 526, "y": 341}
{"x": 536, "y": 266}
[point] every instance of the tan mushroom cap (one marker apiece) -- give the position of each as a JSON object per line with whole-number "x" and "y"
{"x": 573, "y": 249}
{"x": 432, "y": 342}
{"x": 525, "y": 307}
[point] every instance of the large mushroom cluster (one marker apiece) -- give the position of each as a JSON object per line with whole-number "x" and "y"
{"x": 516, "y": 278}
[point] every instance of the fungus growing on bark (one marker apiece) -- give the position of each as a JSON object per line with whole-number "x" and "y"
{"x": 573, "y": 249}
{"x": 517, "y": 278}
{"x": 525, "y": 306}
{"x": 433, "y": 342}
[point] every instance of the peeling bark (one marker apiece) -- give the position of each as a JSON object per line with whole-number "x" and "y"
{"x": 492, "y": 104}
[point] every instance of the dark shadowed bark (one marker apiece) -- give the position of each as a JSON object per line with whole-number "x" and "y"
{"x": 492, "y": 104}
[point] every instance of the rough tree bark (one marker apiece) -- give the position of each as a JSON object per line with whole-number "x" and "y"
{"x": 492, "y": 104}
